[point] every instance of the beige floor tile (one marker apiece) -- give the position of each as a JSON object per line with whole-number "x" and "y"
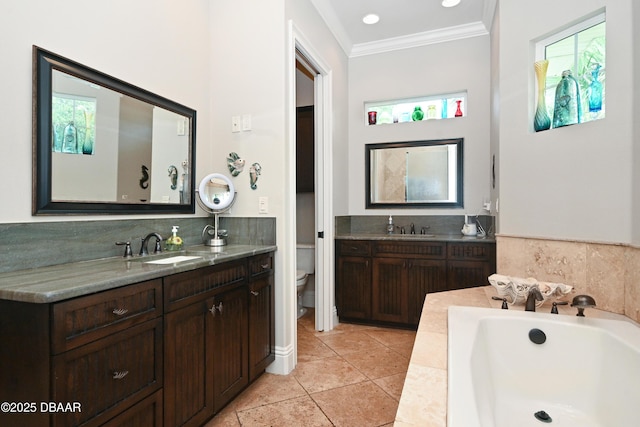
{"x": 392, "y": 385}
{"x": 324, "y": 374}
{"x": 393, "y": 337}
{"x": 267, "y": 389}
{"x": 310, "y": 347}
{"x": 226, "y": 418}
{"x": 358, "y": 405}
{"x": 301, "y": 411}
{"x": 379, "y": 363}
{"x": 351, "y": 342}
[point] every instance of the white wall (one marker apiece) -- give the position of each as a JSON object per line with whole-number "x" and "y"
{"x": 635, "y": 239}
{"x": 428, "y": 70}
{"x": 161, "y": 46}
{"x": 573, "y": 182}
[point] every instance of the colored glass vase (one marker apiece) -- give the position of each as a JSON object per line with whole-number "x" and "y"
{"x": 595, "y": 91}
{"x": 458, "y": 108}
{"x": 417, "y": 115}
{"x": 567, "y": 109}
{"x": 541, "y": 120}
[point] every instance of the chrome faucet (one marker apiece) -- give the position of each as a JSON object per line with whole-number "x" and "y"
{"x": 533, "y": 296}
{"x": 413, "y": 229}
{"x": 424, "y": 229}
{"x": 145, "y": 243}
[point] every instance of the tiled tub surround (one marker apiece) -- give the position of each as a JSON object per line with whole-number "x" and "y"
{"x": 424, "y": 396}
{"x": 610, "y": 273}
{"x": 32, "y": 245}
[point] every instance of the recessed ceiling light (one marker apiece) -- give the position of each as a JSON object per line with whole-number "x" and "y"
{"x": 370, "y": 19}
{"x": 450, "y": 3}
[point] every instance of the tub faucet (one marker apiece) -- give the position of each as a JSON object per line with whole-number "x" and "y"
{"x": 145, "y": 243}
{"x": 533, "y": 296}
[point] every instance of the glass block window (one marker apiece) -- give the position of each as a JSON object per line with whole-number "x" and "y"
{"x": 581, "y": 49}
{"x": 434, "y": 107}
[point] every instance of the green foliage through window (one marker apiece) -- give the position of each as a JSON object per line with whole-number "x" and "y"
{"x": 74, "y": 124}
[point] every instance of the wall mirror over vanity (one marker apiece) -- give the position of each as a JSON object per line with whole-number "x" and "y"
{"x": 101, "y": 145}
{"x": 414, "y": 174}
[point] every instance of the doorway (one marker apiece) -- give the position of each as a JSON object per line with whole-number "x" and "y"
{"x": 302, "y": 52}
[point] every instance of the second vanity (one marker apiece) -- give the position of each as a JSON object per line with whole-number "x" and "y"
{"x": 128, "y": 343}
{"x": 383, "y": 279}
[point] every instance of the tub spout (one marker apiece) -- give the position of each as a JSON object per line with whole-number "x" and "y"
{"x": 534, "y": 295}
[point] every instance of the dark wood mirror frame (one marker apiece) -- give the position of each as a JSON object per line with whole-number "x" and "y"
{"x": 44, "y": 63}
{"x": 458, "y": 202}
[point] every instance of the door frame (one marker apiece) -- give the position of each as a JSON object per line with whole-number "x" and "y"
{"x": 325, "y": 297}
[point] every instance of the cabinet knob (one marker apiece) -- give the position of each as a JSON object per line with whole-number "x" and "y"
{"x": 118, "y": 375}
{"x": 214, "y": 308}
{"x": 120, "y": 311}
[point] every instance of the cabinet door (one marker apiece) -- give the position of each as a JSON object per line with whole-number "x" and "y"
{"x": 389, "y": 299}
{"x": 261, "y": 325}
{"x": 467, "y": 274}
{"x": 228, "y": 317}
{"x": 188, "y": 390}
{"x": 353, "y": 287}
{"x": 423, "y": 277}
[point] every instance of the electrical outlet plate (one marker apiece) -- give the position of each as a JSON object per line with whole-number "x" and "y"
{"x": 263, "y": 205}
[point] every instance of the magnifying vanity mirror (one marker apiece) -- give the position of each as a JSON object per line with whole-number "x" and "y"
{"x": 101, "y": 145}
{"x": 216, "y": 195}
{"x": 414, "y": 174}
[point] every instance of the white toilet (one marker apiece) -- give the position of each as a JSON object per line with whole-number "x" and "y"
{"x": 305, "y": 265}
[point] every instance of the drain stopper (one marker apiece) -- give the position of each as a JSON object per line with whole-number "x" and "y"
{"x": 542, "y": 416}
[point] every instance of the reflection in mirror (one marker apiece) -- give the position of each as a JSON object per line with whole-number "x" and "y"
{"x": 414, "y": 174}
{"x": 104, "y": 146}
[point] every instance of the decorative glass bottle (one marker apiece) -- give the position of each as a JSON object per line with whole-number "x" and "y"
{"x": 595, "y": 91}
{"x": 458, "y": 108}
{"x": 418, "y": 114}
{"x": 541, "y": 121}
{"x": 567, "y": 109}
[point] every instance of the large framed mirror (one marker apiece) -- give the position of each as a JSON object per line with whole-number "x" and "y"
{"x": 424, "y": 174}
{"x": 104, "y": 146}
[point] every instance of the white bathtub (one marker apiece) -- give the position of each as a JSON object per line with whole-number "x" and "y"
{"x": 586, "y": 373}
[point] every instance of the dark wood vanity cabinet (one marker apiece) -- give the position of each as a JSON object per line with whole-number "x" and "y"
{"x": 170, "y": 351}
{"x": 386, "y": 281}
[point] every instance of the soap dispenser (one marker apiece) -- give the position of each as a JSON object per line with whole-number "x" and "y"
{"x": 174, "y": 243}
{"x": 390, "y": 225}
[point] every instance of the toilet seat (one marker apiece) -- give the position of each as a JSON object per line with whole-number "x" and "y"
{"x": 301, "y": 275}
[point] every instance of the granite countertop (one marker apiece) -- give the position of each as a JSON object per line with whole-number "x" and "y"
{"x": 64, "y": 281}
{"x": 452, "y": 237}
{"x": 424, "y": 396}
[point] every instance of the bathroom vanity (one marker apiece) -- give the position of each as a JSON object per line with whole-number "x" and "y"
{"x": 127, "y": 343}
{"x": 383, "y": 279}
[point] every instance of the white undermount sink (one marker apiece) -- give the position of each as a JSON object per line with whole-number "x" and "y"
{"x": 172, "y": 260}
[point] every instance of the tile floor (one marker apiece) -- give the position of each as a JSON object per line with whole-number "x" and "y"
{"x": 351, "y": 376}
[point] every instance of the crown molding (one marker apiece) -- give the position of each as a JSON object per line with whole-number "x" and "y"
{"x": 473, "y": 29}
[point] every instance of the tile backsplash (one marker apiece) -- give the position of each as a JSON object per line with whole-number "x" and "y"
{"x": 31, "y": 245}
{"x": 376, "y": 224}
{"x": 610, "y": 273}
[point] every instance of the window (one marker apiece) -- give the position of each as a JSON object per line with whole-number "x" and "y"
{"x": 74, "y": 125}
{"x": 433, "y": 107}
{"x": 581, "y": 50}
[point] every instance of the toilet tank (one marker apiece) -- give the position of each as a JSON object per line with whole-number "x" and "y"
{"x": 306, "y": 257}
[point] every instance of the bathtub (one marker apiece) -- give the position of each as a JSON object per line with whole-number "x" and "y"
{"x": 586, "y": 373}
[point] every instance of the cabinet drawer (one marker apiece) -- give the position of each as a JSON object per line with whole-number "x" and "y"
{"x": 430, "y": 250}
{"x": 261, "y": 264}
{"x": 471, "y": 251}
{"x": 108, "y": 375}
{"x": 147, "y": 413}
{"x": 354, "y": 247}
{"x": 85, "y": 319}
{"x": 183, "y": 289}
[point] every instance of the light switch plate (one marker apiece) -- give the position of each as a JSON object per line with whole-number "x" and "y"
{"x": 263, "y": 205}
{"x": 235, "y": 124}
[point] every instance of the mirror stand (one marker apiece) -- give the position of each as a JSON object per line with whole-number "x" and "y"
{"x": 211, "y": 233}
